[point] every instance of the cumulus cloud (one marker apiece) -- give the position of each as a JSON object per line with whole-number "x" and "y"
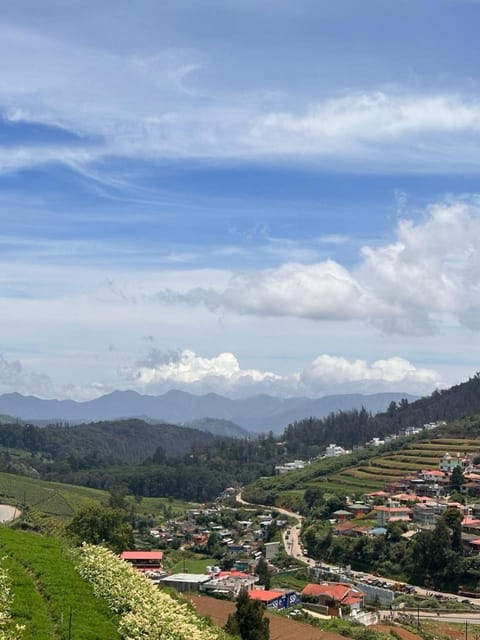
{"x": 160, "y": 371}
{"x": 429, "y": 273}
{"x": 189, "y": 371}
{"x": 327, "y": 374}
{"x": 333, "y": 372}
{"x": 322, "y": 290}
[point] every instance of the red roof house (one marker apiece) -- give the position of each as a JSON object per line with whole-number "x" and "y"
{"x": 335, "y": 594}
{"x": 144, "y": 560}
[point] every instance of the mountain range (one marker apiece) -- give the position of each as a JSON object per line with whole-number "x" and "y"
{"x": 256, "y": 414}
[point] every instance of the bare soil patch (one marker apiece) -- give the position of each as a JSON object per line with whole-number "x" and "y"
{"x": 280, "y": 628}
{"x": 402, "y": 633}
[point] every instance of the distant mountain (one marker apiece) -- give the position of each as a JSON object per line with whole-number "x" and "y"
{"x": 258, "y": 413}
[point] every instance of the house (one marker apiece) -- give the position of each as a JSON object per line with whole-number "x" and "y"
{"x": 281, "y": 469}
{"x": 448, "y": 463}
{"x": 471, "y": 525}
{"x": 335, "y": 595}
{"x": 425, "y": 514}
{"x": 186, "y": 582}
{"x": 342, "y": 514}
{"x": 334, "y": 450}
{"x": 358, "y": 509}
{"x": 272, "y": 549}
{"x": 431, "y": 475}
{"x": 144, "y": 560}
{"x": 279, "y": 599}
{"x": 392, "y": 514}
{"x": 229, "y": 583}
{"x": 343, "y": 528}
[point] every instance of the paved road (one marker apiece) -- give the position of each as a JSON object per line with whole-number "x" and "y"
{"x": 293, "y": 548}
{"x": 291, "y": 537}
{"x": 442, "y": 616}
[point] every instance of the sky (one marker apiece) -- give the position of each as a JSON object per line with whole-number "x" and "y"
{"x": 239, "y": 196}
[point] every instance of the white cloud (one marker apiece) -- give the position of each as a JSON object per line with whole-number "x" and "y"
{"x": 428, "y": 274}
{"x": 187, "y": 370}
{"x": 333, "y": 372}
{"x": 128, "y": 104}
{"x": 15, "y": 378}
{"x": 323, "y": 290}
{"x": 326, "y": 375}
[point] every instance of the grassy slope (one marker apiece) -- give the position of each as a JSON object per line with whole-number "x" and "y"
{"x": 52, "y": 504}
{"x": 46, "y": 587}
{"x": 375, "y": 473}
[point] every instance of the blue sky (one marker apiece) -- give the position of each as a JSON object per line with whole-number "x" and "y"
{"x": 239, "y": 196}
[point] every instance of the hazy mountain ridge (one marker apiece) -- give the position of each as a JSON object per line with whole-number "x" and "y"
{"x": 258, "y": 413}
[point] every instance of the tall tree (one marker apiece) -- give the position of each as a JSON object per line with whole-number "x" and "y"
{"x": 248, "y": 621}
{"x": 263, "y": 573}
{"x": 457, "y": 478}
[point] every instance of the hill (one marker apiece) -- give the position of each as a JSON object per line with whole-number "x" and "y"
{"x": 309, "y": 437}
{"x": 217, "y": 427}
{"x": 50, "y": 599}
{"x": 126, "y": 441}
{"x": 257, "y": 413}
{"x": 370, "y": 469}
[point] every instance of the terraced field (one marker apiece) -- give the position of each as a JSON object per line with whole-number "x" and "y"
{"x": 378, "y": 472}
{"x": 373, "y": 474}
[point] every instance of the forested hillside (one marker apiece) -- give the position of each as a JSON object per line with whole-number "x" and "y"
{"x": 185, "y": 463}
{"x": 125, "y": 441}
{"x": 351, "y": 428}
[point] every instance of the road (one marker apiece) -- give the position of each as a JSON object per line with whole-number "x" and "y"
{"x": 291, "y": 540}
{"x": 293, "y": 547}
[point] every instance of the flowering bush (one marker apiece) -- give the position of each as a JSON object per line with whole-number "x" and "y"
{"x": 8, "y": 630}
{"x": 145, "y": 612}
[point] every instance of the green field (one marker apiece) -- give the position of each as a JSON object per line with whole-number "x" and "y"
{"x": 51, "y": 505}
{"x": 382, "y": 470}
{"x": 371, "y": 475}
{"x": 49, "y": 596}
{"x": 180, "y": 561}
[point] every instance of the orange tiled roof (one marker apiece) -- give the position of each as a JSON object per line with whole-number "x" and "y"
{"x": 264, "y": 595}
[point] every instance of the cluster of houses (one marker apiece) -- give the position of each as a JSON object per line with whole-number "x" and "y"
{"x": 417, "y": 499}
{"x": 334, "y": 450}
{"x": 332, "y": 598}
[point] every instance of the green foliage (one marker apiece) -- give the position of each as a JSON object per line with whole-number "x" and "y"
{"x": 433, "y": 558}
{"x": 248, "y": 621}
{"x": 102, "y": 525}
{"x": 46, "y": 587}
{"x": 263, "y": 573}
{"x": 457, "y": 479}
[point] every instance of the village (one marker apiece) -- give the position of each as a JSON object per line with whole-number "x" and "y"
{"x": 251, "y": 546}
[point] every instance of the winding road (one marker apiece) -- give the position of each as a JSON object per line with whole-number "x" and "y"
{"x": 293, "y": 547}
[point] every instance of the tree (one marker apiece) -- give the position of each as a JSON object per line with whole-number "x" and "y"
{"x": 213, "y": 546}
{"x": 457, "y": 479}
{"x": 102, "y": 525}
{"x": 453, "y": 519}
{"x": 263, "y": 573}
{"x": 248, "y": 621}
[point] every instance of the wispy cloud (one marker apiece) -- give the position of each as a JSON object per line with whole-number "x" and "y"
{"x": 134, "y": 106}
